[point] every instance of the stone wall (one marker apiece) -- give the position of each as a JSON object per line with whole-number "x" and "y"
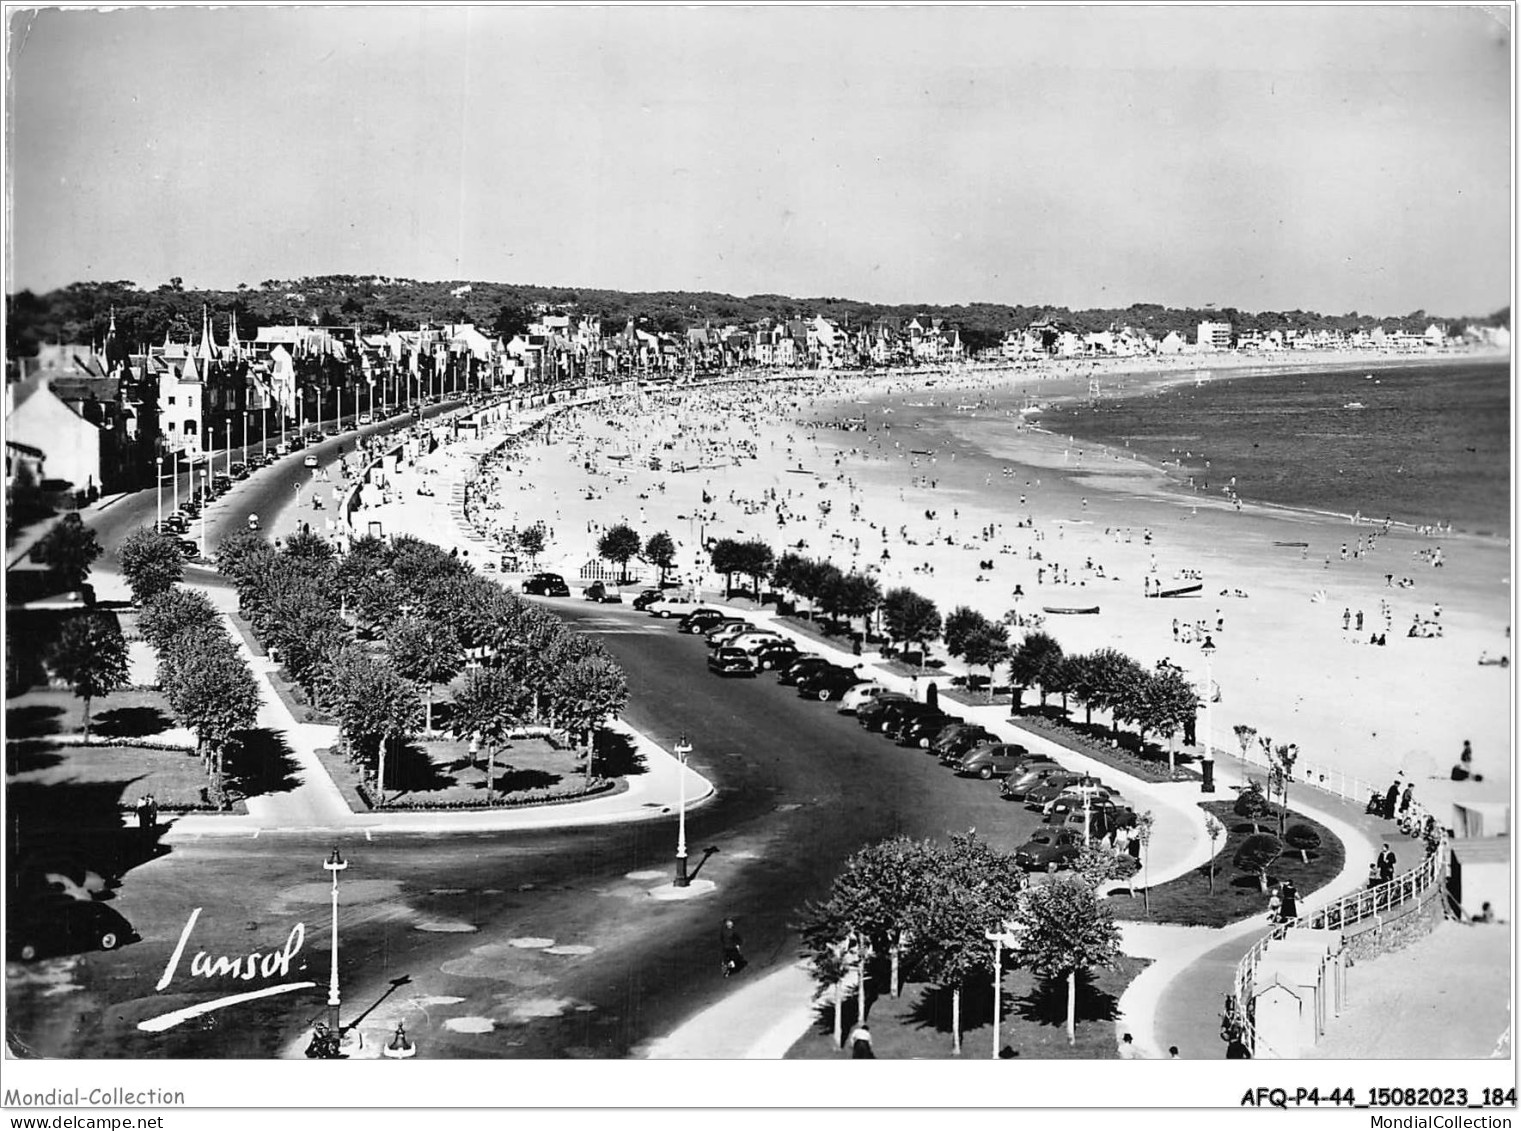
{"x": 1411, "y": 922}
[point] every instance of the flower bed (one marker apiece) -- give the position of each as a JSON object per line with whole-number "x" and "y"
{"x": 1103, "y": 750}
{"x": 511, "y": 801}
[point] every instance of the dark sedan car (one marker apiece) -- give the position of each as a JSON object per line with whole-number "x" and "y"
{"x": 1019, "y": 788}
{"x": 1050, "y": 789}
{"x": 35, "y": 928}
{"x": 777, "y": 655}
{"x": 998, "y": 759}
{"x": 597, "y": 591}
{"x": 828, "y": 683}
{"x": 794, "y": 672}
{"x": 898, "y": 716}
{"x": 700, "y": 621}
{"x": 875, "y": 714}
{"x": 647, "y": 598}
{"x": 546, "y": 585}
{"x": 921, "y": 730}
{"x": 1049, "y": 846}
{"x": 958, "y": 739}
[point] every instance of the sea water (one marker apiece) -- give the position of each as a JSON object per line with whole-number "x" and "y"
{"x": 1430, "y": 444}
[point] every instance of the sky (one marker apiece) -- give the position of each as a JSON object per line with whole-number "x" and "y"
{"x": 1314, "y": 158}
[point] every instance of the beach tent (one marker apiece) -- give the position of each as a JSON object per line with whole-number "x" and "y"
{"x": 1472, "y": 819}
{"x": 1480, "y": 874}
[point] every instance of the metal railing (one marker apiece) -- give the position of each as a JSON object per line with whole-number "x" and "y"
{"x": 1358, "y": 907}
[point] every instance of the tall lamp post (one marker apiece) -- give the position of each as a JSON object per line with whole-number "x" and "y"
{"x": 683, "y": 748}
{"x": 158, "y": 478}
{"x": 1207, "y": 761}
{"x": 334, "y": 864}
{"x": 1008, "y": 937}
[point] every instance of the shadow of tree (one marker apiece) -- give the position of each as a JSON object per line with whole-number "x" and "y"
{"x": 131, "y": 722}
{"x": 33, "y": 721}
{"x": 259, "y": 762}
{"x": 408, "y": 768}
{"x": 1046, "y": 1003}
{"x": 28, "y": 756}
{"x": 935, "y": 1007}
{"x": 617, "y": 756}
{"x": 514, "y": 781}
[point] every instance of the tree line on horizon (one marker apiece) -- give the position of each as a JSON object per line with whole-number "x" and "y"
{"x": 81, "y": 312}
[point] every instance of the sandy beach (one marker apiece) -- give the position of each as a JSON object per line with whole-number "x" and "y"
{"x": 1069, "y": 526}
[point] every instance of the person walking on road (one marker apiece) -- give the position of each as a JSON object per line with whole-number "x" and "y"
{"x": 860, "y": 1043}
{"x": 730, "y": 942}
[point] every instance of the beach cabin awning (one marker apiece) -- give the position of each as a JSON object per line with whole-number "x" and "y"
{"x": 1480, "y": 819}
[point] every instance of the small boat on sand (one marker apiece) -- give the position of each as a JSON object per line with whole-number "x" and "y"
{"x": 1091, "y": 610}
{"x": 1354, "y": 404}
{"x": 1295, "y": 545}
{"x": 1182, "y": 591}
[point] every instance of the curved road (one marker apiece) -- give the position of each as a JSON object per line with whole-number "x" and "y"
{"x": 800, "y": 787}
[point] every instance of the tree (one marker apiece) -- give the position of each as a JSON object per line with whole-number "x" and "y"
{"x": 987, "y": 646}
{"x": 1303, "y": 839}
{"x": 1244, "y": 735}
{"x": 858, "y": 596}
{"x": 425, "y": 653}
{"x": 532, "y": 542}
{"x": 1037, "y": 660}
{"x": 1214, "y": 830}
{"x": 151, "y": 562}
{"x": 588, "y": 691}
{"x": 910, "y": 619}
{"x": 210, "y": 690}
{"x": 1097, "y": 863}
{"x": 487, "y": 708}
{"x": 660, "y": 552}
{"x": 1283, "y": 758}
{"x": 1110, "y": 673}
{"x": 1252, "y": 804}
{"x": 68, "y": 549}
{"x": 726, "y": 558}
{"x": 1257, "y": 854}
{"x": 1063, "y": 929}
{"x": 375, "y": 704}
{"x": 619, "y": 544}
{"x": 879, "y": 895}
{"x": 1076, "y": 678}
{"x": 91, "y": 654}
{"x": 961, "y": 622}
{"x": 974, "y": 891}
{"x": 167, "y": 614}
{"x": 1164, "y": 701}
{"x": 754, "y": 559}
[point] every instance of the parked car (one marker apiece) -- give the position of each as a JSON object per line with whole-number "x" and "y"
{"x": 697, "y": 622}
{"x": 998, "y": 760}
{"x": 958, "y": 739}
{"x": 221, "y": 483}
{"x": 753, "y": 642}
{"x": 873, "y": 715}
{"x": 646, "y": 598}
{"x": 309, "y": 461}
{"x": 860, "y": 694}
{"x": 899, "y": 715}
{"x": 1101, "y": 819}
{"x": 239, "y": 471}
{"x": 597, "y": 591}
{"x": 725, "y": 631}
{"x": 921, "y": 732}
{"x": 1050, "y": 788}
{"x": 777, "y": 655}
{"x": 364, "y": 418}
{"x": 828, "y": 683}
{"x": 801, "y": 667}
{"x": 666, "y": 607}
{"x": 1073, "y": 796}
{"x": 1049, "y": 846}
{"x": 38, "y": 927}
{"x": 546, "y": 585}
{"x": 731, "y": 661}
{"x": 1019, "y": 788}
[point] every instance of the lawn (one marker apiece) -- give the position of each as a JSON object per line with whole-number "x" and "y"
{"x": 437, "y": 772}
{"x": 46, "y": 712}
{"x": 917, "y": 1025}
{"x": 41, "y": 776}
{"x": 1237, "y": 895}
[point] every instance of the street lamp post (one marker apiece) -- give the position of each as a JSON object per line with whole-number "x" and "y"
{"x": 1008, "y": 937}
{"x": 227, "y": 441}
{"x": 158, "y": 482}
{"x": 334, "y": 864}
{"x": 1207, "y": 762}
{"x": 683, "y": 748}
